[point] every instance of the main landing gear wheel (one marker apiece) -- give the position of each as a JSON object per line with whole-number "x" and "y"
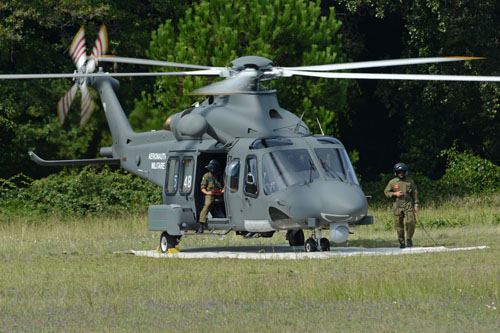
{"x": 168, "y": 242}
{"x": 324, "y": 244}
{"x": 295, "y": 237}
{"x": 311, "y": 245}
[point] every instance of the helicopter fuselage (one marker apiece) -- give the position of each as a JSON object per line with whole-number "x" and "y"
{"x": 270, "y": 184}
{"x": 277, "y": 176}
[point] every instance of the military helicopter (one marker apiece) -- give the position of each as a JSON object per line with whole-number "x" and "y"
{"x": 278, "y": 176}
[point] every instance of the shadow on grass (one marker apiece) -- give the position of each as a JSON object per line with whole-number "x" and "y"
{"x": 376, "y": 243}
{"x": 370, "y": 243}
{"x": 285, "y": 248}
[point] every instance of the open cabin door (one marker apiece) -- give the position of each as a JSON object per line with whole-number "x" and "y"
{"x": 218, "y": 211}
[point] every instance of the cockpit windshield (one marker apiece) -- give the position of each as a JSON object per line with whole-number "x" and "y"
{"x": 284, "y": 168}
{"x": 336, "y": 164}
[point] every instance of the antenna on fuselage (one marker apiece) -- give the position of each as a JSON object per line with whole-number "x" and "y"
{"x": 320, "y": 128}
{"x": 298, "y": 124}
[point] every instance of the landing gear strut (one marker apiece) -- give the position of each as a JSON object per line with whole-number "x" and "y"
{"x": 311, "y": 244}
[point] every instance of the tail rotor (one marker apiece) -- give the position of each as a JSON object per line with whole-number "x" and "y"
{"x": 65, "y": 102}
{"x": 88, "y": 105}
{"x": 84, "y": 65}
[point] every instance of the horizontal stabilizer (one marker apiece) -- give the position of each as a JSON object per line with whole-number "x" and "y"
{"x": 90, "y": 161}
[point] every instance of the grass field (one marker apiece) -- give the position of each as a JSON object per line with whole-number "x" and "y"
{"x": 64, "y": 276}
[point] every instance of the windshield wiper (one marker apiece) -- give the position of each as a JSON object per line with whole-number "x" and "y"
{"x": 311, "y": 164}
{"x": 328, "y": 170}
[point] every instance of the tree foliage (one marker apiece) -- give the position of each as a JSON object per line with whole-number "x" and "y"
{"x": 385, "y": 121}
{"x": 432, "y": 116}
{"x": 289, "y": 32}
{"x": 89, "y": 191}
{"x": 34, "y": 38}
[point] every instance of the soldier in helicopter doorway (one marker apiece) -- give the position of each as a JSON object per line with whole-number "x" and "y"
{"x": 403, "y": 192}
{"x": 211, "y": 187}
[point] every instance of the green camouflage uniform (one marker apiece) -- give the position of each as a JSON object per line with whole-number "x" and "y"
{"x": 403, "y": 206}
{"x": 209, "y": 183}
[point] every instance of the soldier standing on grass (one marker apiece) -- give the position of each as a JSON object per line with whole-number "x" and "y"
{"x": 403, "y": 192}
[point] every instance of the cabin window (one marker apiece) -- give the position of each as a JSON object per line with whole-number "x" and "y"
{"x": 251, "y": 187}
{"x": 172, "y": 175}
{"x": 271, "y": 142}
{"x": 274, "y": 114}
{"x": 187, "y": 168}
{"x": 328, "y": 140}
{"x": 233, "y": 175}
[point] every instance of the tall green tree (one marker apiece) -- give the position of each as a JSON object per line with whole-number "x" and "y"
{"x": 289, "y": 32}
{"x": 441, "y": 114}
{"x": 428, "y": 117}
{"x": 34, "y": 38}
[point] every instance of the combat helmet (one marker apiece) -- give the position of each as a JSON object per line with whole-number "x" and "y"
{"x": 213, "y": 166}
{"x": 400, "y": 167}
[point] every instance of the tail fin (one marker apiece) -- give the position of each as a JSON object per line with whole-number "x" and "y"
{"x": 118, "y": 123}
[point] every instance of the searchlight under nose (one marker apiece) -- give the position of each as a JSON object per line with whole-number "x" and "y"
{"x": 342, "y": 204}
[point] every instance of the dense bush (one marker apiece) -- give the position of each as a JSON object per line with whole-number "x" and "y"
{"x": 107, "y": 192}
{"x": 465, "y": 174}
{"x": 90, "y": 191}
{"x": 469, "y": 173}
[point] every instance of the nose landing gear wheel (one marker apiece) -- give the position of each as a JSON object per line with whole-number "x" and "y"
{"x": 324, "y": 244}
{"x": 311, "y": 245}
{"x": 167, "y": 242}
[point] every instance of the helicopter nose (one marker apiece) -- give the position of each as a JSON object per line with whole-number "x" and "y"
{"x": 328, "y": 201}
{"x": 342, "y": 202}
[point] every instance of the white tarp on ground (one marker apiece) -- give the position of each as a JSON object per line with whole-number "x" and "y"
{"x": 287, "y": 252}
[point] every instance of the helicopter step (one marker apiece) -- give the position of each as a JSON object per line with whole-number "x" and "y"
{"x": 218, "y": 220}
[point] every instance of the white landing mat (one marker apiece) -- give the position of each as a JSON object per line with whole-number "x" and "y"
{"x": 287, "y": 252}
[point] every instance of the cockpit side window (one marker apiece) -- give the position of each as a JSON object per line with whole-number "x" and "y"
{"x": 251, "y": 187}
{"x": 331, "y": 162}
{"x": 172, "y": 175}
{"x": 336, "y": 164}
{"x": 350, "y": 169}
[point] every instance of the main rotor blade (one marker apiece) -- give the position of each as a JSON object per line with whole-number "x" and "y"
{"x": 214, "y": 72}
{"x": 150, "y": 62}
{"x": 382, "y": 76}
{"x": 379, "y": 63}
{"x": 233, "y": 85}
